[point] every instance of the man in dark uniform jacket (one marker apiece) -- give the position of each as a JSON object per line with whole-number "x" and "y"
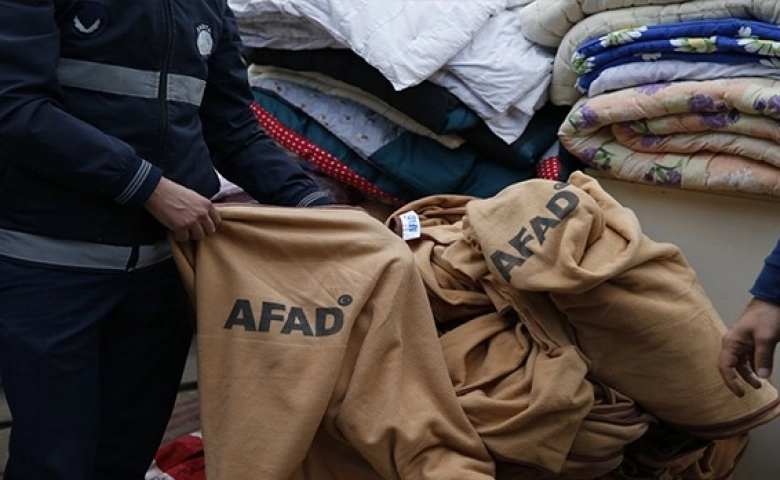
{"x": 114, "y": 115}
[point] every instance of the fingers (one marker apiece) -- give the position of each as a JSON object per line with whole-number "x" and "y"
{"x": 198, "y": 232}
{"x": 206, "y": 225}
{"x": 189, "y": 215}
{"x": 727, "y": 367}
{"x": 748, "y": 374}
{"x": 746, "y": 355}
{"x": 203, "y": 225}
{"x": 216, "y": 220}
{"x": 763, "y": 357}
{"x": 181, "y": 234}
{"x": 735, "y": 362}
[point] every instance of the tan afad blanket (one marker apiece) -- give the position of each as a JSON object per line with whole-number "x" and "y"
{"x": 318, "y": 357}
{"x": 535, "y": 335}
{"x": 579, "y": 347}
{"x": 635, "y": 306}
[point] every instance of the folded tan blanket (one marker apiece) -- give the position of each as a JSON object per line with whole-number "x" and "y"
{"x": 318, "y": 357}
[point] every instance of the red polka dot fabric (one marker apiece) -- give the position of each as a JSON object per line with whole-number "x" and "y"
{"x": 549, "y": 168}
{"x": 314, "y": 154}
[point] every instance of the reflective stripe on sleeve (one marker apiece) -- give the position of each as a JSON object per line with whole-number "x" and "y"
{"x": 135, "y": 183}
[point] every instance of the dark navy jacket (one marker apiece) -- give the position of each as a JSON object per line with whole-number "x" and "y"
{"x": 100, "y": 98}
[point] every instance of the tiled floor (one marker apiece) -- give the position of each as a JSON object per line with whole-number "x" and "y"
{"x": 184, "y": 420}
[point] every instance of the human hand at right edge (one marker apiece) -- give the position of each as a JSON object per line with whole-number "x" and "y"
{"x": 749, "y": 346}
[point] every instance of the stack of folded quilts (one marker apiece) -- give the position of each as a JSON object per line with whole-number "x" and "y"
{"x": 680, "y": 94}
{"x": 403, "y": 99}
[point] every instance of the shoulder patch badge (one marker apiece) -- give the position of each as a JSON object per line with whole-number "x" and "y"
{"x": 204, "y": 39}
{"x": 89, "y": 18}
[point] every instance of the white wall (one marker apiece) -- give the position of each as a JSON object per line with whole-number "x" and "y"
{"x": 725, "y": 238}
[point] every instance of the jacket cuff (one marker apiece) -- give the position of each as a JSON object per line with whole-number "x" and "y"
{"x": 767, "y": 285}
{"x": 141, "y": 186}
{"x": 316, "y": 198}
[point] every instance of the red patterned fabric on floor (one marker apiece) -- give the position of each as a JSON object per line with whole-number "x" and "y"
{"x": 181, "y": 459}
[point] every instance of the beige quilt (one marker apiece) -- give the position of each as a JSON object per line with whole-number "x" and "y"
{"x": 716, "y": 135}
{"x": 547, "y": 21}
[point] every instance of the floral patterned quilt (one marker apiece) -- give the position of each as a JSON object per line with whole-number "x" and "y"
{"x": 728, "y": 40}
{"x": 719, "y": 135}
{"x": 616, "y": 16}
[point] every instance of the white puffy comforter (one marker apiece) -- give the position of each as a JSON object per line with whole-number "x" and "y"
{"x": 406, "y": 40}
{"x": 475, "y": 49}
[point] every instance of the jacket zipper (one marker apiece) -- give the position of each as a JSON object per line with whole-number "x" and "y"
{"x": 162, "y": 94}
{"x": 162, "y": 97}
{"x": 132, "y": 262}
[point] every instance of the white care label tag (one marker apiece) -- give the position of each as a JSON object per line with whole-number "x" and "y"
{"x": 410, "y": 226}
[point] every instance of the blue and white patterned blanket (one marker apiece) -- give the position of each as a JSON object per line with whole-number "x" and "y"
{"x": 727, "y": 40}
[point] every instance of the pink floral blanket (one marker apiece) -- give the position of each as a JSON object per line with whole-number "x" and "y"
{"x": 718, "y": 135}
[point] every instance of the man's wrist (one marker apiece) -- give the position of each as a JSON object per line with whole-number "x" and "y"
{"x": 767, "y": 285}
